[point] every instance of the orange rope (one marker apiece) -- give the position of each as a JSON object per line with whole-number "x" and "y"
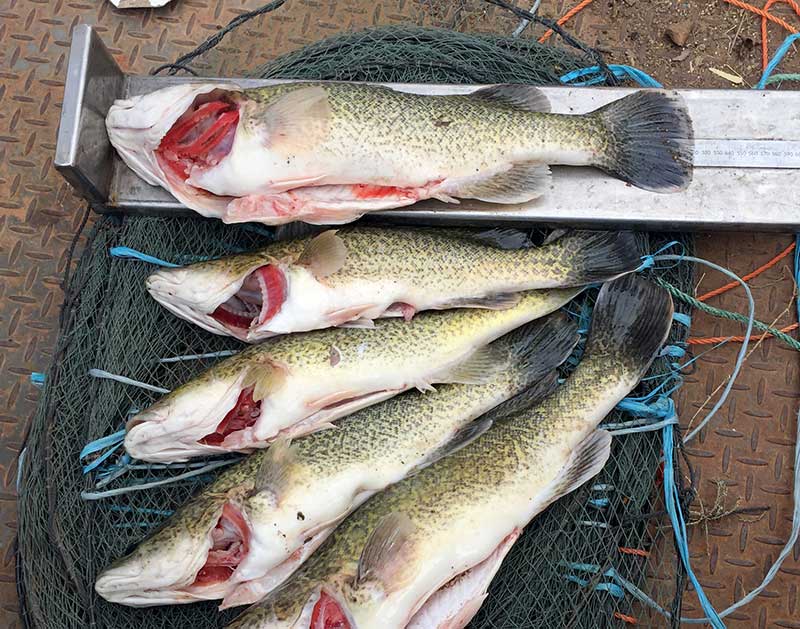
{"x": 749, "y": 276}
{"x": 765, "y": 15}
{"x": 762, "y": 13}
{"x": 628, "y": 619}
{"x": 764, "y": 47}
{"x": 634, "y": 551}
{"x": 566, "y": 18}
{"x": 713, "y": 340}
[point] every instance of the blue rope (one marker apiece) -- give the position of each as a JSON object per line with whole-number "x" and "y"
{"x": 776, "y": 59}
{"x": 596, "y": 76}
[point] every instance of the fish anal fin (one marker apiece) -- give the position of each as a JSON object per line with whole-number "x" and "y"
{"x": 298, "y": 120}
{"x": 385, "y": 557}
{"x": 521, "y": 182}
{"x": 498, "y": 301}
{"x": 462, "y": 438}
{"x": 584, "y": 463}
{"x": 479, "y": 368}
{"x": 324, "y": 255}
{"x": 525, "y": 97}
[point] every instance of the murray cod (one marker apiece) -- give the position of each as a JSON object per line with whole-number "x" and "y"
{"x": 356, "y": 275}
{"x": 297, "y": 384}
{"x": 248, "y": 531}
{"x": 327, "y": 153}
{"x": 421, "y": 554}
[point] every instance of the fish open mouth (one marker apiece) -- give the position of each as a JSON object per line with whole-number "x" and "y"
{"x": 200, "y": 138}
{"x": 230, "y": 539}
{"x": 328, "y": 614}
{"x": 244, "y": 414}
{"x": 259, "y": 298}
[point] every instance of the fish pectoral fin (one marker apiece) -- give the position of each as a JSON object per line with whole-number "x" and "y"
{"x": 265, "y": 378}
{"x": 584, "y": 463}
{"x": 463, "y": 437}
{"x": 298, "y": 120}
{"x": 479, "y": 368}
{"x": 324, "y": 255}
{"x": 344, "y": 315}
{"x": 363, "y": 323}
{"x": 498, "y": 301}
{"x": 273, "y": 473}
{"x": 525, "y": 97}
{"x": 385, "y": 557}
{"x": 522, "y": 182}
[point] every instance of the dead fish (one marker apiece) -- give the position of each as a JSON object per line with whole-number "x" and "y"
{"x": 297, "y": 384}
{"x": 327, "y": 153}
{"x": 423, "y": 552}
{"x": 245, "y": 533}
{"x": 356, "y": 275}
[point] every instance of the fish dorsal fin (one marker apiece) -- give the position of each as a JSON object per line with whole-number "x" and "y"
{"x": 384, "y": 559}
{"x": 522, "y": 182}
{"x": 505, "y": 238}
{"x": 324, "y": 255}
{"x": 584, "y": 463}
{"x": 298, "y": 120}
{"x": 524, "y": 97}
{"x": 479, "y": 368}
{"x": 296, "y": 230}
{"x": 265, "y": 377}
{"x": 273, "y": 473}
{"x": 462, "y": 438}
{"x": 555, "y": 235}
{"x": 498, "y": 301}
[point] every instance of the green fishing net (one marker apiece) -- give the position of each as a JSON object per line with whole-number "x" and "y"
{"x": 555, "y": 576}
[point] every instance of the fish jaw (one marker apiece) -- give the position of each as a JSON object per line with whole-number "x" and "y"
{"x": 241, "y": 305}
{"x": 182, "y": 564}
{"x": 137, "y": 126}
{"x": 158, "y": 580}
{"x": 172, "y": 429}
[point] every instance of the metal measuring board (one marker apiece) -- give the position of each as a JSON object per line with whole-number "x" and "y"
{"x": 747, "y": 159}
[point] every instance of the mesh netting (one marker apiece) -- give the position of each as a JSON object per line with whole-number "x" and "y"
{"x": 110, "y": 323}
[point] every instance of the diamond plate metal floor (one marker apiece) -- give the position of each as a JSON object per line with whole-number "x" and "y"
{"x": 749, "y": 445}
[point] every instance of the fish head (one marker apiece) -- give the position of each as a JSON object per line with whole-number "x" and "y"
{"x": 215, "y": 413}
{"x": 192, "y": 557}
{"x": 293, "y": 607}
{"x": 250, "y": 297}
{"x": 165, "y": 134}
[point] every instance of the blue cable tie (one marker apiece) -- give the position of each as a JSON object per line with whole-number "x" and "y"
{"x": 126, "y": 253}
{"x": 38, "y": 379}
{"x": 102, "y": 443}
{"x": 599, "y": 503}
{"x": 776, "y": 59}
{"x": 99, "y": 460}
{"x": 684, "y": 319}
{"x": 673, "y": 351}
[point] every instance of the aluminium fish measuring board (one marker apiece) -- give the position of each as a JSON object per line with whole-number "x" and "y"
{"x": 747, "y": 159}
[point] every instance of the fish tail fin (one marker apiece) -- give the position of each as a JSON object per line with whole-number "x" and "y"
{"x": 630, "y": 323}
{"x": 650, "y": 141}
{"x": 597, "y": 256}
